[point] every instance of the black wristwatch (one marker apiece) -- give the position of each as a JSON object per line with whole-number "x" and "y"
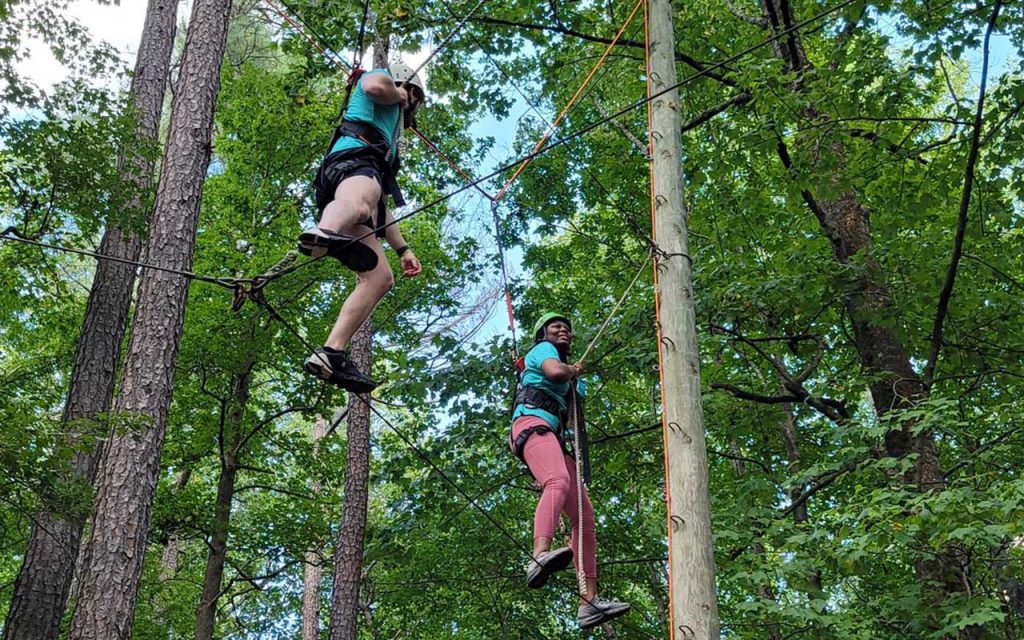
{"x": 401, "y": 250}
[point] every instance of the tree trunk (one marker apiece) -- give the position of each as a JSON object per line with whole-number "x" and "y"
{"x": 896, "y": 385}
{"x": 128, "y": 477}
{"x": 348, "y": 558}
{"x": 217, "y": 553}
{"x": 311, "y": 572}
{"x": 169, "y": 555}
{"x": 41, "y": 587}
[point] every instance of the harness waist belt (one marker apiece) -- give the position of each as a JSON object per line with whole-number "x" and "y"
{"x": 379, "y": 146}
{"x": 535, "y": 398}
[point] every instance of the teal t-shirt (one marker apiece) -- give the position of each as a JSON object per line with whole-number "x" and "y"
{"x": 361, "y": 108}
{"x": 533, "y": 376}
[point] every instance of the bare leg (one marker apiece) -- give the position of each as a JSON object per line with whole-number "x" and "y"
{"x": 355, "y": 200}
{"x": 371, "y": 286}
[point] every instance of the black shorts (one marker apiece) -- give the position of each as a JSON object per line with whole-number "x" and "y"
{"x": 335, "y": 168}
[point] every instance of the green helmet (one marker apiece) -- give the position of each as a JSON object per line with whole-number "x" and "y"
{"x": 538, "y": 328}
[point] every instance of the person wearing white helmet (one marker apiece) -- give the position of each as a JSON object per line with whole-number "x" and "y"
{"x": 357, "y": 174}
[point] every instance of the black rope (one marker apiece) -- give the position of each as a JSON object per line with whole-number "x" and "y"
{"x": 12, "y": 234}
{"x": 357, "y": 55}
{"x": 582, "y": 131}
{"x": 458, "y": 27}
{"x": 320, "y": 38}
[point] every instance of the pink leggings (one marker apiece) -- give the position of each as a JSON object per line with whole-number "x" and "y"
{"x": 556, "y": 473}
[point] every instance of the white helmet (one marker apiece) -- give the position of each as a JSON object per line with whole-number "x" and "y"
{"x": 403, "y": 73}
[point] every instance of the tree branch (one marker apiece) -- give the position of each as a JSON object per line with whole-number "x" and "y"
{"x": 961, "y": 228}
{"x": 625, "y": 42}
{"x": 707, "y": 114}
{"x": 621, "y": 126}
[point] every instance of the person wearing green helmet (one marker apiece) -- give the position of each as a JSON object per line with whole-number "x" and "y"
{"x": 536, "y": 438}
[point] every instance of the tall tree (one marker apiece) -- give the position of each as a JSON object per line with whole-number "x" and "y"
{"x": 230, "y": 440}
{"x": 41, "y": 588}
{"x": 127, "y": 480}
{"x": 348, "y": 556}
{"x": 311, "y": 570}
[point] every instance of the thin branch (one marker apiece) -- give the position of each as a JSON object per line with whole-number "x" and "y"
{"x": 707, "y": 114}
{"x": 961, "y": 229}
{"x": 743, "y": 394}
{"x": 760, "y": 21}
{"x": 1010, "y": 279}
{"x": 621, "y": 126}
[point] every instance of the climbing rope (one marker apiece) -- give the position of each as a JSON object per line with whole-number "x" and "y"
{"x": 447, "y": 39}
{"x": 320, "y": 46}
{"x": 611, "y": 314}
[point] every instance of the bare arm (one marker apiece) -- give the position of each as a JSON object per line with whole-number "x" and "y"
{"x": 557, "y": 371}
{"x": 381, "y": 89}
{"x": 394, "y": 234}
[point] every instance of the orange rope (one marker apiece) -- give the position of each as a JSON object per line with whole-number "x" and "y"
{"x": 302, "y": 32}
{"x": 451, "y": 163}
{"x": 551, "y": 129}
{"x": 657, "y": 310}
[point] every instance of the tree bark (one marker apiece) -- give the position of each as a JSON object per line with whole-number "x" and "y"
{"x": 217, "y": 553}
{"x": 311, "y": 573}
{"x": 44, "y": 579}
{"x": 169, "y": 555}
{"x": 348, "y": 557}
{"x": 127, "y": 480}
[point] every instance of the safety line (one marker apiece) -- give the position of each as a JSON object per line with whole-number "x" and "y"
{"x": 333, "y": 57}
{"x": 447, "y": 39}
{"x": 11, "y": 234}
{"x": 551, "y": 129}
{"x": 504, "y": 279}
{"x": 615, "y": 309}
{"x": 657, "y": 318}
{"x": 451, "y": 163}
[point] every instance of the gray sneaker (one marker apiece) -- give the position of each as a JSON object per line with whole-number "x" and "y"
{"x": 599, "y": 611}
{"x": 538, "y": 571}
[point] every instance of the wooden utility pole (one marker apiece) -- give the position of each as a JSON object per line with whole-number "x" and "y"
{"x": 691, "y": 554}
